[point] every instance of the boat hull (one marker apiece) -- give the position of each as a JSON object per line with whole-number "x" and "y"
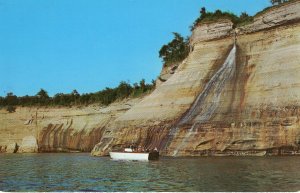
{"x": 133, "y": 156}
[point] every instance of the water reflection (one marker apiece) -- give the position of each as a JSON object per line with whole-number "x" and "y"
{"x": 80, "y": 172}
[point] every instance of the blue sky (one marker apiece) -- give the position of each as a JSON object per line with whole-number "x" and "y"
{"x": 61, "y": 45}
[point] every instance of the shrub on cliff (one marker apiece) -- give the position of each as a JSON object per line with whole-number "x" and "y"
{"x": 244, "y": 19}
{"x": 1, "y": 101}
{"x": 123, "y": 90}
{"x": 207, "y": 17}
{"x": 11, "y": 109}
{"x": 175, "y": 51}
{"x": 142, "y": 88}
{"x": 43, "y": 97}
{"x": 9, "y": 100}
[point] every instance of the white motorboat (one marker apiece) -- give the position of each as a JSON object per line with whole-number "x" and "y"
{"x": 130, "y": 154}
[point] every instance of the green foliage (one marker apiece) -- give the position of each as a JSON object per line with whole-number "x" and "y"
{"x": 42, "y": 94}
{"x": 104, "y": 97}
{"x": 175, "y": 51}
{"x": 244, "y": 19}
{"x": 43, "y": 97}
{"x": 123, "y": 90}
{"x": 142, "y": 88}
{"x": 11, "y": 109}
{"x": 207, "y": 17}
{"x": 11, "y": 99}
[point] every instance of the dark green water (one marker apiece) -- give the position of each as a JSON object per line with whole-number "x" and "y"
{"x": 81, "y": 172}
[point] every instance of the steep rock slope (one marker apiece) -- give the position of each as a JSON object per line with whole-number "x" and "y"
{"x": 148, "y": 122}
{"x": 256, "y": 108}
{"x": 57, "y": 129}
{"x": 258, "y": 111}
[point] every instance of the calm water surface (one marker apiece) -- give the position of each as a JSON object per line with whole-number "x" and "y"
{"x": 81, "y": 172}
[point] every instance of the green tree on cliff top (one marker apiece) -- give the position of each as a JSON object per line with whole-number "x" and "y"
{"x": 175, "y": 51}
{"x": 42, "y": 97}
{"x": 42, "y": 94}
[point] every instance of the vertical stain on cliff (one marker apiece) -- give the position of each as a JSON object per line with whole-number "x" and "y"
{"x": 243, "y": 109}
{"x": 57, "y": 138}
{"x": 208, "y": 99}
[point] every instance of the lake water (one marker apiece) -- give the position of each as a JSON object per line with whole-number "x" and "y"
{"x": 81, "y": 172}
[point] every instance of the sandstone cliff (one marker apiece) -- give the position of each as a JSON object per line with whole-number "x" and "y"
{"x": 56, "y": 129}
{"x": 221, "y": 100}
{"x": 217, "y": 104}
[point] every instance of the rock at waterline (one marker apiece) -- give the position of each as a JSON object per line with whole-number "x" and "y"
{"x": 28, "y": 145}
{"x": 12, "y": 148}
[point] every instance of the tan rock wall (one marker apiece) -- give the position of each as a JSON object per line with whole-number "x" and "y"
{"x": 211, "y": 31}
{"x": 275, "y": 16}
{"x": 57, "y": 129}
{"x": 149, "y": 121}
{"x": 28, "y": 145}
{"x": 259, "y": 109}
{"x": 257, "y": 112}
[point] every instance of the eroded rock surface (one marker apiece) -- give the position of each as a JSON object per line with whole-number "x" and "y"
{"x": 28, "y": 145}
{"x": 203, "y": 107}
{"x": 166, "y": 73}
{"x": 255, "y": 110}
{"x": 57, "y": 129}
{"x": 279, "y": 15}
{"x": 212, "y": 30}
{"x": 11, "y": 148}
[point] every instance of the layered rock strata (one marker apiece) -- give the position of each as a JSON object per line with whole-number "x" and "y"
{"x": 250, "y": 107}
{"x": 219, "y": 101}
{"x": 57, "y": 129}
{"x": 211, "y": 30}
{"x": 279, "y": 15}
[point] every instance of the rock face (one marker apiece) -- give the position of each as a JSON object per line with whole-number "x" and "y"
{"x": 57, "y": 129}
{"x": 224, "y": 101}
{"x": 282, "y": 14}
{"x": 237, "y": 93}
{"x": 210, "y": 31}
{"x": 11, "y": 148}
{"x": 149, "y": 121}
{"x": 166, "y": 73}
{"x": 28, "y": 145}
